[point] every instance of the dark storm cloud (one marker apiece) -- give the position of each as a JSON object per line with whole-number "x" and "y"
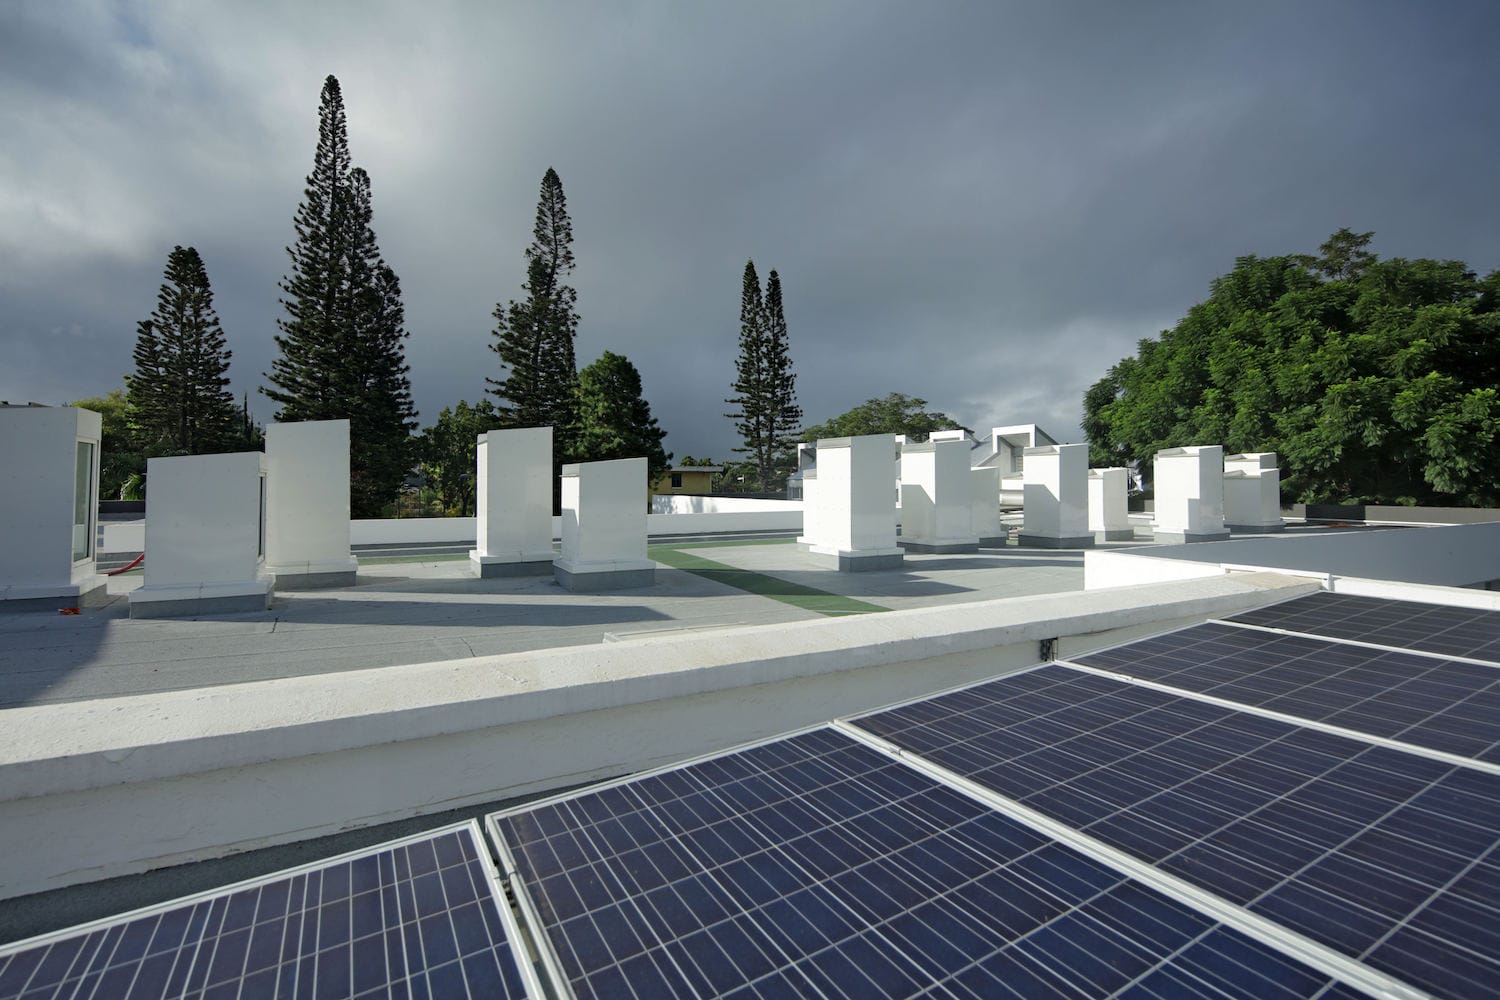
{"x": 982, "y": 206}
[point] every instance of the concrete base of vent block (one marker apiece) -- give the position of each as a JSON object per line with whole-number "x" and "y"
{"x": 1055, "y": 542}
{"x": 583, "y": 579}
{"x": 959, "y": 545}
{"x": 866, "y": 561}
{"x": 1115, "y": 535}
{"x": 993, "y": 541}
{"x": 76, "y": 595}
{"x": 1180, "y": 537}
{"x": 1255, "y": 529}
{"x": 194, "y": 602}
{"x": 496, "y": 567}
{"x": 315, "y": 576}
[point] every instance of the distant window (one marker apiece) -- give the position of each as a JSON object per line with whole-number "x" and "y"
{"x": 676, "y": 480}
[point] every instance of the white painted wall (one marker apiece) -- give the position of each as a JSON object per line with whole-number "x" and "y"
{"x": 984, "y": 503}
{"x": 1189, "y": 487}
{"x": 852, "y": 508}
{"x": 1460, "y": 555}
{"x": 38, "y": 449}
{"x": 203, "y": 523}
{"x": 1252, "y": 490}
{"x": 513, "y": 495}
{"x": 1109, "y": 499}
{"x": 1056, "y": 490}
{"x": 664, "y": 503}
{"x": 307, "y": 498}
{"x": 180, "y": 776}
{"x": 603, "y": 518}
{"x": 936, "y": 503}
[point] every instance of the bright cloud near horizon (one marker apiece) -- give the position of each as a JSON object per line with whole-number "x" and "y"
{"x": 982, "y": 205}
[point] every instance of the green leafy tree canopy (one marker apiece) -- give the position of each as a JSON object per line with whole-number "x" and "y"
{"x": 448, "y": 453}
{"x": 614, "y": 420}
{"x": 895, "y": 413}
{"x": 1373, "y": 380}
{"x": 765, "y": 411}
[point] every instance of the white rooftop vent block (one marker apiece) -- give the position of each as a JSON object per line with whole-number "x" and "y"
{"x": 1252, "y": 493}
{"x": 513, "y": 501}
{"x": 205, "y": 537}
{"x": 1056, "y": 501}
{"x": 984, "y": 507}
{"x": 936, "y": 508}
{"x": 1109, "y": 505}
{"x": 848, "y": 508}
{"x": 604, "y": 527}
{"x": 307, "y": 505}
{"x": 49, "y": 499}
{"x": 1190, "y": 495}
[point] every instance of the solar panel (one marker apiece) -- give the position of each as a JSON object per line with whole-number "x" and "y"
{"x": 1385, "y": 856}
{"x": 1444, "y": 705}
{"x": 1432, "y": 628}
{"x": 817, "y": 866}
{"x": 414, "y": 918}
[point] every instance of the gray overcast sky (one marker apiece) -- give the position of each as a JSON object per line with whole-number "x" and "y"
{"x": 981, "y": 204}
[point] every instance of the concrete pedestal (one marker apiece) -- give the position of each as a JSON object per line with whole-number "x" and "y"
{"x": 49, "y": 498}
{"x": 1189, "y": 486}
{"x": 936, "y": 507}
{"x": 1252, "y": 493}
{"x": 984, "y": 508}
{"x": 1109, "y": 505}
{"x": 1056, "y": 503}
{"x": 604, "y": 527}
{"x": 513, "y": 503}
{"x": 307, "y": 505}
{"x": 205, "y": 537}
{"x": 849, "y": 510}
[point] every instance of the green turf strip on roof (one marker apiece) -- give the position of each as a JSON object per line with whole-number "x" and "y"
{"x": 807, "y": 598}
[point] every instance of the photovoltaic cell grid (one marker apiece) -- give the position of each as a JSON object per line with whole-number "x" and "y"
{"x": 414, "y": 919}
{"x": 817, "y": 866}
{"x": 1385, "y": 856}
{"x": 1432, "y": 628}
{"x": 1441, "y": 704}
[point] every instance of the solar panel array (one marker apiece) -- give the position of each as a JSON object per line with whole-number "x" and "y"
{"x": 1447, "y": 705}
{"x": 417, "y": 918}
{"x": 1432, "y": 628}
{"x": 1152, "y": 820}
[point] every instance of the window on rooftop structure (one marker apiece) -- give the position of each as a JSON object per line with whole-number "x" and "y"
{"x": 676, "y": 480}
{"x": 260, "y": 538}
{"x": 83, "y": 501}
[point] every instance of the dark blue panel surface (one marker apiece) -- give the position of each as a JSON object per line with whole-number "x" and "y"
{"x": 1432, "y": 628}
{"x": 413, "y": 919}
{"x": 1356, "y": 846}
{"x": 1441, "y": 704}
{"x": 818, "y": 866}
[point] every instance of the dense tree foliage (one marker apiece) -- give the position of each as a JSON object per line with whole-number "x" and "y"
{"x": 896, "y": 413}
{"x": 535, "y": 337}
{"x": 342, "y": 342}
{"x": 178, "y": 400}
{"x": 1373, "y": 380}
{"x": 766, "y": 413}
{"x": 614, "y": 420}
{"x": 448, "y": 452}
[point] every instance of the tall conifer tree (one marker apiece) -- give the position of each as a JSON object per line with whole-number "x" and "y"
{"x": 535, "y": 337}
{"x": 342, "y": 345}
{"x": 178, "y": 400}
{"x": 765, "y": 396}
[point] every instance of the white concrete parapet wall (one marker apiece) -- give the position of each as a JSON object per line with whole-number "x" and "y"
{"x": 513, "y": 503}
{"x": 604, "y": 527}
{"x": 849, "y": 515}
{"x": 49, "y": 496}
{"x": 107, "y": 787}
{"x": 205, "y": 537}
{"x": 1252, "y": 493}
{"x": 936, "y": 509}
{"x": 307, "y": 505}
{"x": 1109, "y": 504}
{"x": 1057, "y": 497}
{"x": 984, "y": 507}
{"x": 1189, "y": 495}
